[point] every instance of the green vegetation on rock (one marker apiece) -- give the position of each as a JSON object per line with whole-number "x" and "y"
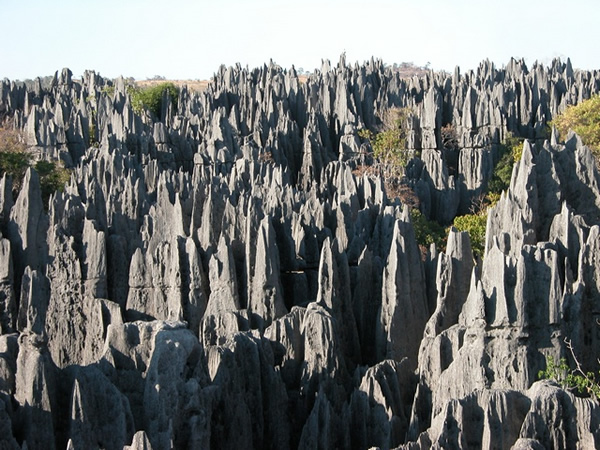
{"x": 150, "y": 98}
{"x": 53, "y": 177}
{"x": 428, "y": 232}
{"x": 584, "y": 383}
{"x": 475, "y": 225}
{"x": 583, "y": 119}
{"x": 108, "y": 90}
{"x": 510, "y": 152}
{"x": 15, "y": 159}
{"x": 389, "y": 144}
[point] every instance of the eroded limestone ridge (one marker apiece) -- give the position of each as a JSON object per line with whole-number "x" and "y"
{"x": 222, "y": 275}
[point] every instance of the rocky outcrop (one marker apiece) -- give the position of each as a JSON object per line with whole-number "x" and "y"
{"x": 233, "y": 273}
{"x": 519, "y": 309}
{"x": 36, "y": 392}
{"x": 100, "y": 416}
{"x": 545, "y": 416}
{"x": 404, "y": 310}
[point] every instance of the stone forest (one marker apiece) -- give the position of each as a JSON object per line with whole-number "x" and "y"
{"x": 281, "y": 261}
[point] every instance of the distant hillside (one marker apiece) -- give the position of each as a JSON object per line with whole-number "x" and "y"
{"x": 194, "y": 85}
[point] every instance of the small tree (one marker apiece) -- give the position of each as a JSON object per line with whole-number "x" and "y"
{"x": 150, "y": 98}
{"x": 428, "y": 232}
{"x": 574, "y": 379}
{"x": 53, "y": 177}
{"x": 389, "y": 144}
{"x": 475, "y": 225}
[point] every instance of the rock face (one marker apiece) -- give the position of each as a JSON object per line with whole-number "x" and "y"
{"x": 230, "y": 274}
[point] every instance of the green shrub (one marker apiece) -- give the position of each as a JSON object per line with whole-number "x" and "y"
{"x": 14, "y": 164}
{"x": 15, "y": 159}
{"x": 108, "y": 90}
{"x": 584, "y": 383}
{"x": 475, "y": 225}
{"x": 510, "y": 152}
{"x": 365, "y": 134}
{"x": 500, "y": 180}
{"x": 92, "y": 140}
{"x": 150, "y": 98}
{"x": 428, "y": 232}
{"x": 584, "y": 119}
{"x": 389, "y": 144}
{"x": 53, "y": 177}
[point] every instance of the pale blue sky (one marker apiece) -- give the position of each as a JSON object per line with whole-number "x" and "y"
{"x": 190, "y": 39}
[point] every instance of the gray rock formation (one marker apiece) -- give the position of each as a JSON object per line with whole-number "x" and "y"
{"x": 404, "y": 310}
{"x": 99, "y": 414}
{"x": 236, "y": 273}
{"x": 36, "y": 392}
